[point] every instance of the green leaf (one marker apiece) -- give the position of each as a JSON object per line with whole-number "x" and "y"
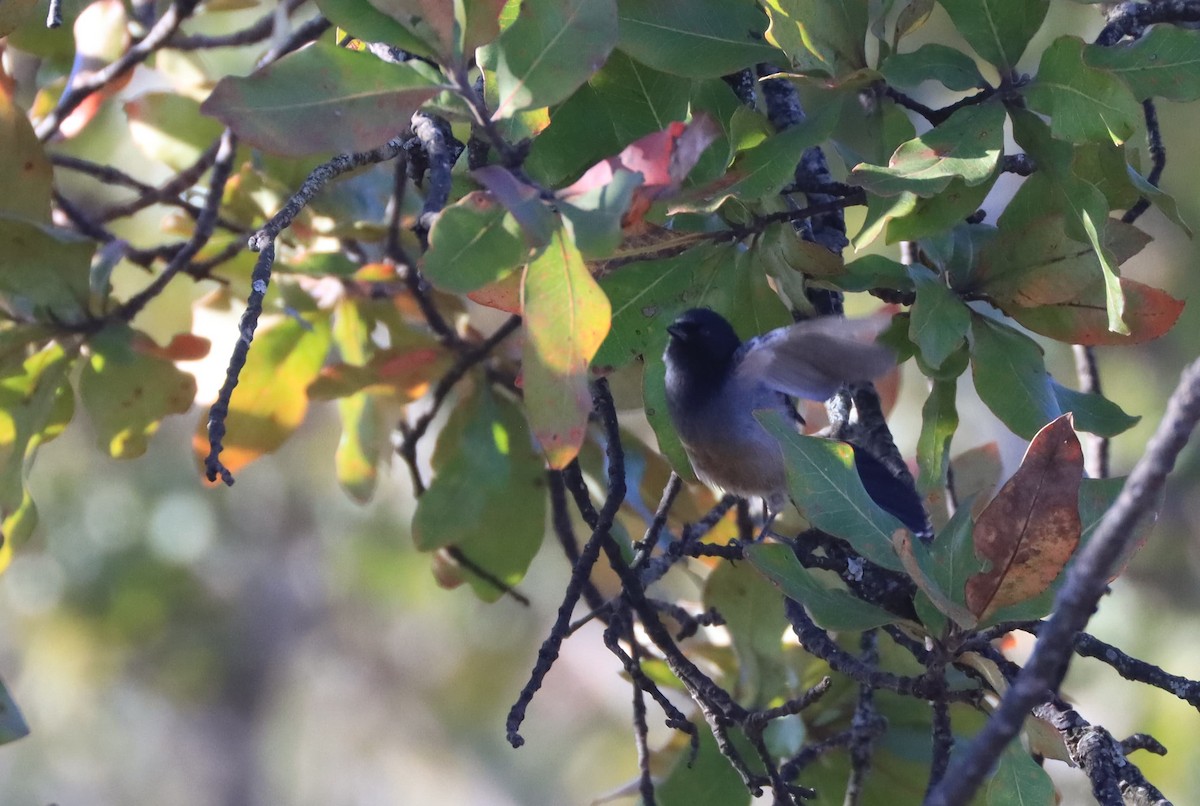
{"x": 940, "y": 320}
{"x": 364, "y": 21}
{"x": 624, "y": 101}
{"x": 753, "y": 613}
{"x": 1019, "y": 781}
{"x": 999, "y": 30}
{"x": 46, "y": 271}
{"x": 1163, "y": 63}
{"x": 23, "y": 162}
{"x": 473, "y": 242}
{"x": 305, "y": 102}
{"x": 1011, "y": 378}
{"x": 127, "y": 391}
{"x": 827, "y": 37}
{"x": 487, "y": 497}
{"x": 932, "y": 62}
{"x": 594, "y": 216}
{"x": 169, "y": 128}
{"x": 826, "y": 488}
{"x": 967, "y": 145}
{"x": 549, "y": 51}
{"x": 567, "y": 317}
{"x": 35, "y": 406}
{"x": 939, "y": 213}
{"x": 830, "y": 608}
{"x": 874, "y": 271}
{"x": 710, "y": 780}
{"x": 1084, "y": 104}
{"x": 1094, "y": 413}
{"x": 271, "y": 398}
{"x": 12, "y": 723}
{"x": 941, "y": 568}
{"x": 694, "y": 38}
{"x": 939, "y": 421}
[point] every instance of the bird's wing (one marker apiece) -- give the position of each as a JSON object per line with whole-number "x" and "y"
{"x": 812, "y": 359}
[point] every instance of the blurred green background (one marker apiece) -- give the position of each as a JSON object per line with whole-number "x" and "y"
{"x": 273, "y": 643}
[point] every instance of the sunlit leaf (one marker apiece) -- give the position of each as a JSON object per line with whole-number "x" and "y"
{"x": 999, "y": 30}
{"x": 1084, "y": 104}
{"x": 127, "y": 392}
{"x": 694, "y": 38}
{"x": 567, "y": 317}
{"x": 36, "y": 404}
{"x": 552, "y": 48}
{"x": 822, "y": 36}
{"x": 365, "y": 439}
{"x": 320, "y": 99}
{"x": 826, "y": 488}
{"x": 830, "y": 608}
{"x": 1031, "y": 528}
{"x": 967, "y": 145}
{"x": 487, "y": 496}
{"x": 271, "y": 397}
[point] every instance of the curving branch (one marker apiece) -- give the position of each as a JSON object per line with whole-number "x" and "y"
{"x": 1086, "y": 581}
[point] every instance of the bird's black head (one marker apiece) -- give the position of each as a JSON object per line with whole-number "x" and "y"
{"x": 701, "y": 349}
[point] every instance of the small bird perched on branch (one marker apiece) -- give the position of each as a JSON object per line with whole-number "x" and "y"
{"x": 715, "y": 383}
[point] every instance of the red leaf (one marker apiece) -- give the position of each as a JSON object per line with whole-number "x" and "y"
{"x": 663, "y": 159}
{"x": 1031, "y": 528}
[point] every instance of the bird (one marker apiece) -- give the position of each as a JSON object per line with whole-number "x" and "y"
{"x": 715, "y": 382}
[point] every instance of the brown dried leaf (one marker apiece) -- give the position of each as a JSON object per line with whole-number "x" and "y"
{"x": 1031, "y": 528}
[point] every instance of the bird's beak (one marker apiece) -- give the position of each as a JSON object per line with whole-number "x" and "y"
{"x": 677, "y": 332}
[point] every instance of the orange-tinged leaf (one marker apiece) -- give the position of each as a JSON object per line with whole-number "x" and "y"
{"x": 183, "y": 347}
{"x": 1031, "y": 528}
{"x": 567, "y": 316}
{"x": 1149, "y": 313}
{"x": 405, "y": 372}
{"x": 503, "y": 295}
{"x": 271, "y": 397}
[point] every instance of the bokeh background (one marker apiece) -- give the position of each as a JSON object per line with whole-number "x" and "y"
{"x": 274, "y": 643}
